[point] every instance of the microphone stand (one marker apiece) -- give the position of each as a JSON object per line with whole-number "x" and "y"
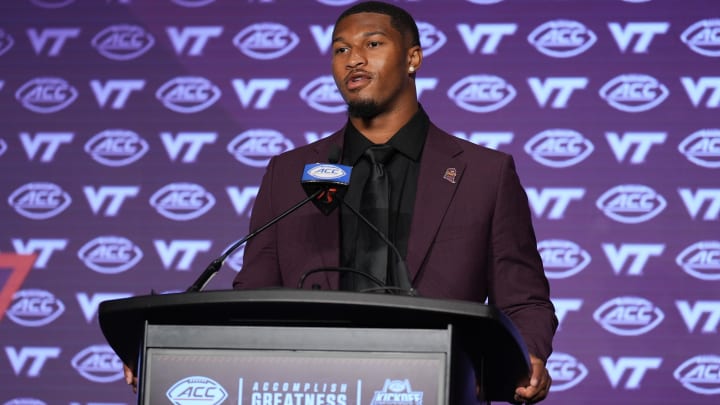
{"x": 216, "y": 264}
{"x": 405, "y": 284}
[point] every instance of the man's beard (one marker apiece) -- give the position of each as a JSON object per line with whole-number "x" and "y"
{"x": 364, "y": 109}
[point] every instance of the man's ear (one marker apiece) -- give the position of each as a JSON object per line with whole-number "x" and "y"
{"x": 415, "y": 57}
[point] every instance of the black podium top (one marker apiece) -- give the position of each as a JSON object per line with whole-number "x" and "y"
{"x": 486, "y": 334}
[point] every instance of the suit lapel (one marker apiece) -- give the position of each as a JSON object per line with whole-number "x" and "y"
{"x": 441, "y": 169}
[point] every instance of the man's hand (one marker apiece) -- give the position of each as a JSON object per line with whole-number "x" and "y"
{"x": 540, "y": 382}
{"x": 130, "y": 378}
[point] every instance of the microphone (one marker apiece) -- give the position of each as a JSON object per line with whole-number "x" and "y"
{"x": 336, "y": 179}
{"x": 330, "y": 179}
{"x": 321, "y": 182}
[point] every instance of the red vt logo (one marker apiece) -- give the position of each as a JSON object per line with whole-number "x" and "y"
{"x": 19, "y": 267}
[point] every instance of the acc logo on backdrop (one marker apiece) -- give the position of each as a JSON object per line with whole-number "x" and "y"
{"x": 235, "y": 260}
{"x": 24, "y": 401}
{"x": 702, "y": 148}
{"x": 631, "y": 203}
{"x": 700, "y": 374}
{"x": 634, "y": 92}
{"x": 6, "y": 42}
{"x": 182, "y": 201}
{"x": 255, "y": 147}
{"x": 702, "y": 37}
{"x": 701, "y": 260}
{"x": 562, "y": 38}
{"x": 559, "y": 148}
{"x": 35, "y": 308}
{"x": 628, "y": 316}
{"x": 431, "y": 38}
{"x": 39, "y": 200}
{"x": 566, "y": 371}
{"x": 123, "y": 42}
{"x": 562, "y": 258}
{"x": 188, "y": 94}
{"x": 116, "y": 147}
{"x": 192, "y": 3}
{"x": 266, "y": 40}
{"x": 481, "y": 93}
{"x": 46, "y": 95}
{"x": 110, "y": 254}
{"x": 52, "y": 3}
{"x": 323, "y": 95}
{"x": 196, "y": 390}
{"x": 98, "y": 363}
{"x": 3, "y": 146}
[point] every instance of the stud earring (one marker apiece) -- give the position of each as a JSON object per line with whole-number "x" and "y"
{"x": 411, "y": 69}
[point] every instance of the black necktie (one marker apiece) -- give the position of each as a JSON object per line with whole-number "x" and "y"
{"x": 372, "y": 253}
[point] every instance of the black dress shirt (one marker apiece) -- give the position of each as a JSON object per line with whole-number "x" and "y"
{"x": 403, "y": 169}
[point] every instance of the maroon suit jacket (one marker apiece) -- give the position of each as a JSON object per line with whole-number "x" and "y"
{"x": 471, "y": 236}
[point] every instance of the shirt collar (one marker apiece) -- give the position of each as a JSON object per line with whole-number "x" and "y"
{"x": 408, "y": 140}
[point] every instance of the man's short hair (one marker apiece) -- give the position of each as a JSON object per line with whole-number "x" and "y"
{"x": 400, "y": 19}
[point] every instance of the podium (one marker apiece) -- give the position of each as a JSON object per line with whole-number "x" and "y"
{"x": 289, "y": 346}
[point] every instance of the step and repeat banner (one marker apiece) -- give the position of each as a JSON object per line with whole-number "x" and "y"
{"x": 135, "y": 133}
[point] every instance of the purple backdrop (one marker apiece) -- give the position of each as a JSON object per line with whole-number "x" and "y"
{"x": 135, "y": 133}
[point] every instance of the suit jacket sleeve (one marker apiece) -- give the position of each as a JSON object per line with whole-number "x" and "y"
{"x": 518, "y": 285}
{"x": 260, "y": 261}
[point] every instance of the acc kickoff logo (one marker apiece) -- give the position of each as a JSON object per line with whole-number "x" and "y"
{"x": 182, "y": 201}
{"x": 46, "y": 95}
{"x": 481, "y": 93}
{"x": 323, "y": 95}
{"x": 255, "y": 147}
{"x": 566, "y": 371}
{"x": 562, "y": 258}
{"x": 634, "y": 92}
{"x": 188, "y": 94}
{"x": 35, "y": 308}
{"x": 702, "y": 148}
{"x": 631, "y": 203}
{"x": 397, "y": 392}
{"x": 559, "y": 148}
{"x": 196, "y": 390}
{"x": 99, "y": 364}
{"x": 628, "y": 316}
{"x": 562, "y": 38}
{"x": 39, "y": 200}
{"x": 116, "y": 147}
{"x": 123, "y": 42}
{"x": 700, "y": 374}
{"x": 110, "y": 254}
{"x": 701, "y": 260}
{"x": 266, "y": 40}
{"x": 702, "y": 37}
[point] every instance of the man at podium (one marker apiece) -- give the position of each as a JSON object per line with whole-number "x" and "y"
{"x": 450, "y": 218}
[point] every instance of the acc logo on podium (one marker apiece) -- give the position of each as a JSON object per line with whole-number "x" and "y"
{"x": 196, "y": 390}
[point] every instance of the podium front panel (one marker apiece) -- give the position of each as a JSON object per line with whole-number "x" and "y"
{"x": 294, "y": 365}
